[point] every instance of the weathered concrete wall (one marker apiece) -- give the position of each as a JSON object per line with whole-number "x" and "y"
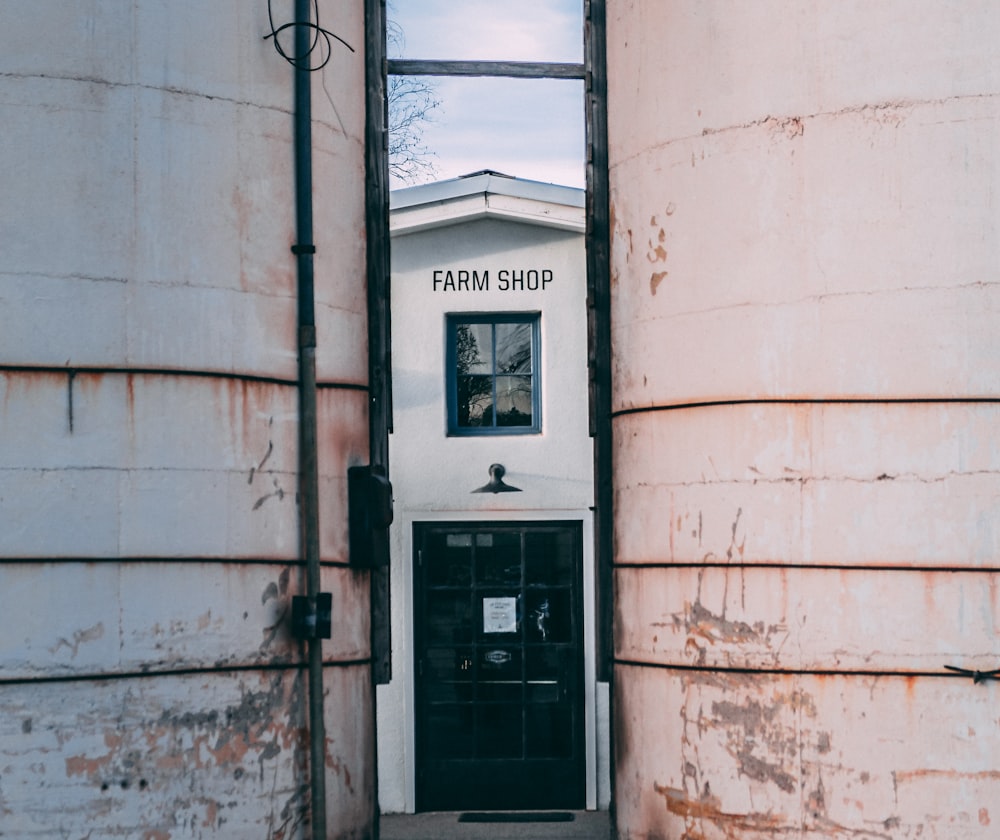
{"x": 149, "y": 686}
{"x": 807, "y": 475}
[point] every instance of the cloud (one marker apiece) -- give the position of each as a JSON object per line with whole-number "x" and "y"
{"x": 515, "y": 30}
{"x": 529, "y": 128}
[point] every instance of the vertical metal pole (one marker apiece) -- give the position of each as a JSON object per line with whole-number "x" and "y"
{"x": 379, "y": 359}
{"x": 308, "y": 462}
{"x": 599, "y": 323}
{"x": 379, "y": 326}
{"x": 599, "y": 361}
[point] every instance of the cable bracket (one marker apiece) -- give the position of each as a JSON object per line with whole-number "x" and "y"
{"x": 977, "y": 676}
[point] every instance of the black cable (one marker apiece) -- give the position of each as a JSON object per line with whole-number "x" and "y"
{"x": 321, "y": 35}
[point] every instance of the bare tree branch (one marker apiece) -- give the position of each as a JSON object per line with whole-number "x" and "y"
{"x": 411, "y": 100}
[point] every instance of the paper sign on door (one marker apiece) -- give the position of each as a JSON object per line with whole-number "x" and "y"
{"x": 499, "y": 615}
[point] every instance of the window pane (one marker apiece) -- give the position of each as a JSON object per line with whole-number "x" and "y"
{"x": 550, "y": 731}
{"x": 514, "y": 401}
{"x": 513, "y": 348}
{"x": 475, "y": 401}
{"x": 474, "y": 348}
{"x": 447, "y": 678}
{"x": 493, "y": 376}
{"x": 514, "y": 30}
{"x": 499, "y": 674}
{"x": 501, "y": 562}
{"x": 549, "y": 558}
{"x": 499, "y": 731}
{"x": 450, "y": 559}
{"x": 450, "y": 731}
{"x": 450, "y": 617}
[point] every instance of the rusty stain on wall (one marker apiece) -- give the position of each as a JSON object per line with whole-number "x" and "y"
{"x": 703, "y": 627}
{"x": 657, "y": 252}
{"x": 707, "y": 808}
{"x": 145, "y": 690}
{"x": 759, "y": 737}
{"x": 145, "y": 755}
{"x": 743, "y": 739}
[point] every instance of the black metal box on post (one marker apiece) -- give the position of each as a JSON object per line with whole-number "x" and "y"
{"x": 369, "y": 504}
{"x": 312, "y": 619}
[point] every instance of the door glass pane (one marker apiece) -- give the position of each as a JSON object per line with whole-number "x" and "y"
{"x": 499, "y": 731}
{"x": 449, "y": 675}
{"x": 499, "y": 675}
{"x": 500, "y": 562}
{"x": 449, "y": 560}
{"x": 549, "y": 731}
{"x": 549, "y": 558}
{"x": 549, "y": 618}
{"x": 449, "y": 617}
{"x": 544, "y": 674}
{"x": 451, "y": 731}
{"x": 514, "y": 30}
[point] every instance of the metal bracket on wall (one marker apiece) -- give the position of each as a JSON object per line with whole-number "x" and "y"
{"x": 312, "y": 618}
{"x": 977, "y": 676}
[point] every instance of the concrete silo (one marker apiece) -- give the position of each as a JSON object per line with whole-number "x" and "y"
{"x": 149, "y": 424}
{"x": 806, "y": 371}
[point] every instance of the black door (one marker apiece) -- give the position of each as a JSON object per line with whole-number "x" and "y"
{"x": 499, "y": 666}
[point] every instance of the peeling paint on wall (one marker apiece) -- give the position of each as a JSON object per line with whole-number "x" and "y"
{"x": 149, "y": 685}
{"x": 803, "y": 411}
{"x": 196, "y": 756}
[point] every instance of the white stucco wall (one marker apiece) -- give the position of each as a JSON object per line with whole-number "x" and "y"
{"x": 432, "y": 471}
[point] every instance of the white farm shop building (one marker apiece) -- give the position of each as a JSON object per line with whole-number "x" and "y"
{"x": 492, "y": 466}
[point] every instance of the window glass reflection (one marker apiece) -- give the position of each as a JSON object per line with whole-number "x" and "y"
{"x": 513, "y": 348}
{"x": 493, "y": 374}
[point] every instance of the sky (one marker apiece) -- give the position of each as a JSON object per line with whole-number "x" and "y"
{"x": 528, "y": 128}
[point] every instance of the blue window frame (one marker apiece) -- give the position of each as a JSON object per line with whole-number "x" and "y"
{"x": 492, "y": 368}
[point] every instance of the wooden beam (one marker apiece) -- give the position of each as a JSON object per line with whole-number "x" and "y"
{"x": 511, "y": 69}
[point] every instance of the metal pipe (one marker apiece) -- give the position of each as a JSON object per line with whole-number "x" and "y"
{"x": 308, "y": 460}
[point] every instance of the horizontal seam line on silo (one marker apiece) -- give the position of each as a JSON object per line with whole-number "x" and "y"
{"x": 825, "y": 672}
{"x": 214, "y": 561}
{"x": 832, "y": 567}
{"x": 167, "y": 372}
{"x": 621, "y": 412}
{"x": 110, "y": 676}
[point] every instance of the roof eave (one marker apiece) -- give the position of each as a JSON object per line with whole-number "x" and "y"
{"x": 485, "y": 205}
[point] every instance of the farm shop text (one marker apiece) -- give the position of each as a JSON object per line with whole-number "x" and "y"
{"x": 504, "y": 280}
